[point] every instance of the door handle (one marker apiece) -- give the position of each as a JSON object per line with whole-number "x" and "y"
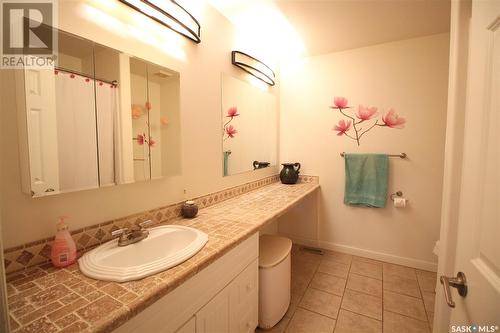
{"x": 459, "y": 282}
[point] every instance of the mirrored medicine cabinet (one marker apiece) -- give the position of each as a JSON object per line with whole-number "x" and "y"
{"x": 99, "y": 118}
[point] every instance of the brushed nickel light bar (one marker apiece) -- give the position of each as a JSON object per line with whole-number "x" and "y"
{"x": 253, "y": 66}
{"x": 170, "y": 14}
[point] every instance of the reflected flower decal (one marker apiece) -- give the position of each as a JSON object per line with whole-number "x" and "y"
{"x": 136, "y": 111}
{"x": 361, "y": 122}
{"x": 228, "y": 131}
{"x": 232, "y": 112}
{"x": 164, "y": 120}
{"x": 141, "y": 140}
{"x": 151, "y": 142}
{"x": 231, "y": 131}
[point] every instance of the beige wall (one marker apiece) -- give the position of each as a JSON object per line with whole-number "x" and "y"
{"x": 200, "y": 66}
{"x": 410, "y": 76}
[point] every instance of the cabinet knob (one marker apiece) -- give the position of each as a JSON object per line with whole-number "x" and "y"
{"x": 249, "y": 287}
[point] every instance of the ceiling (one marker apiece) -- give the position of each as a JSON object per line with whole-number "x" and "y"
{"x": 326, "y": 26}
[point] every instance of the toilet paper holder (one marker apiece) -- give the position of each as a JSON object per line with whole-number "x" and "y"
{"x": 396, "y": 194}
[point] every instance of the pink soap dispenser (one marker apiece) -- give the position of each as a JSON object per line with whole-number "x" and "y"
{"x": 64, "y": 248}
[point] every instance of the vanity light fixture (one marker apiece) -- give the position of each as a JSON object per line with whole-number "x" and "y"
{"x": 253, "y": 66}
{"x": 170, "y": 14}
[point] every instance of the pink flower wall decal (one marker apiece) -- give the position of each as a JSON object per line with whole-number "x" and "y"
{"x": 391, "y": 119}
{"x": 342, "y": 127}
{"x": 361, "y": 121}
{"x": 151, "y": 142}
{"x": 340, "y": 102}
{"x": 366, "y": 113}
{"x": 231, "y": 131}
{"x": 232, "y": 112}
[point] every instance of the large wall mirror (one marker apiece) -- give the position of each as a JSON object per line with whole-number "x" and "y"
{"x": 249, "y": 127}
{"x": 99, "y": 118}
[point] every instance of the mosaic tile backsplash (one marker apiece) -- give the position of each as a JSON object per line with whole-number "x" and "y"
{"x": 38, "y": 252}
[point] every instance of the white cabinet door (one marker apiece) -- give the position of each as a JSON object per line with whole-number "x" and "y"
{"x": 235, "y": 308}
{"x": 215, "y": 316}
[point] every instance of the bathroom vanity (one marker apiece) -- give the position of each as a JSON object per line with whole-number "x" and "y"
{"x": 215, "y": 290}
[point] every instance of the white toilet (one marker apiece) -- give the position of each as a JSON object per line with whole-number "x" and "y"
{"x": 274, "y": 279}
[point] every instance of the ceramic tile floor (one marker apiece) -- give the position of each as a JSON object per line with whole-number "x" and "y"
{"x": 341, "y": 293}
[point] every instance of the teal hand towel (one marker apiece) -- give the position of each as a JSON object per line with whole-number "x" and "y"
{"x": 366, "y": 177}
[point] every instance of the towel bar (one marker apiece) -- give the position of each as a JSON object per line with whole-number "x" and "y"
{"x": 402, "y": 155}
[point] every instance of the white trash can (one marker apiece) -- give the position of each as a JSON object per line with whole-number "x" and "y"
{"x": 274, "y": 279}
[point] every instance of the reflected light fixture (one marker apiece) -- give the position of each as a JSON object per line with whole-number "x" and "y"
{"x": 253, "y": 67}
{"x": 170, "y": 14}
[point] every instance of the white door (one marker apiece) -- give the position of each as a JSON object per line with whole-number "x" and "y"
{"x": 40, "y": 99}
{"x": 478, "y": 235}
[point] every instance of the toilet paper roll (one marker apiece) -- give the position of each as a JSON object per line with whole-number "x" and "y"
{"x": 400, "y": 202}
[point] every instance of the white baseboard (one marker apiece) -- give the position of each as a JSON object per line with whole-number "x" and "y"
{"x": 410, "y": 262}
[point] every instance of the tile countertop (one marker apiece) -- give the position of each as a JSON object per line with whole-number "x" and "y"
{"x": 46, "y": 299}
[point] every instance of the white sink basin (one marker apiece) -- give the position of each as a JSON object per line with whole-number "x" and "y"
{"x": 165, "y": 247}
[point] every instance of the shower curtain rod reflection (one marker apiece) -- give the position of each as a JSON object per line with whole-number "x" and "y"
{"x": 402, "y": 155}
{"x": 114, "y": 82}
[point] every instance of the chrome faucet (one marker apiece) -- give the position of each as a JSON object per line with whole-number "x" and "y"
{"x": 130, "y": 236}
